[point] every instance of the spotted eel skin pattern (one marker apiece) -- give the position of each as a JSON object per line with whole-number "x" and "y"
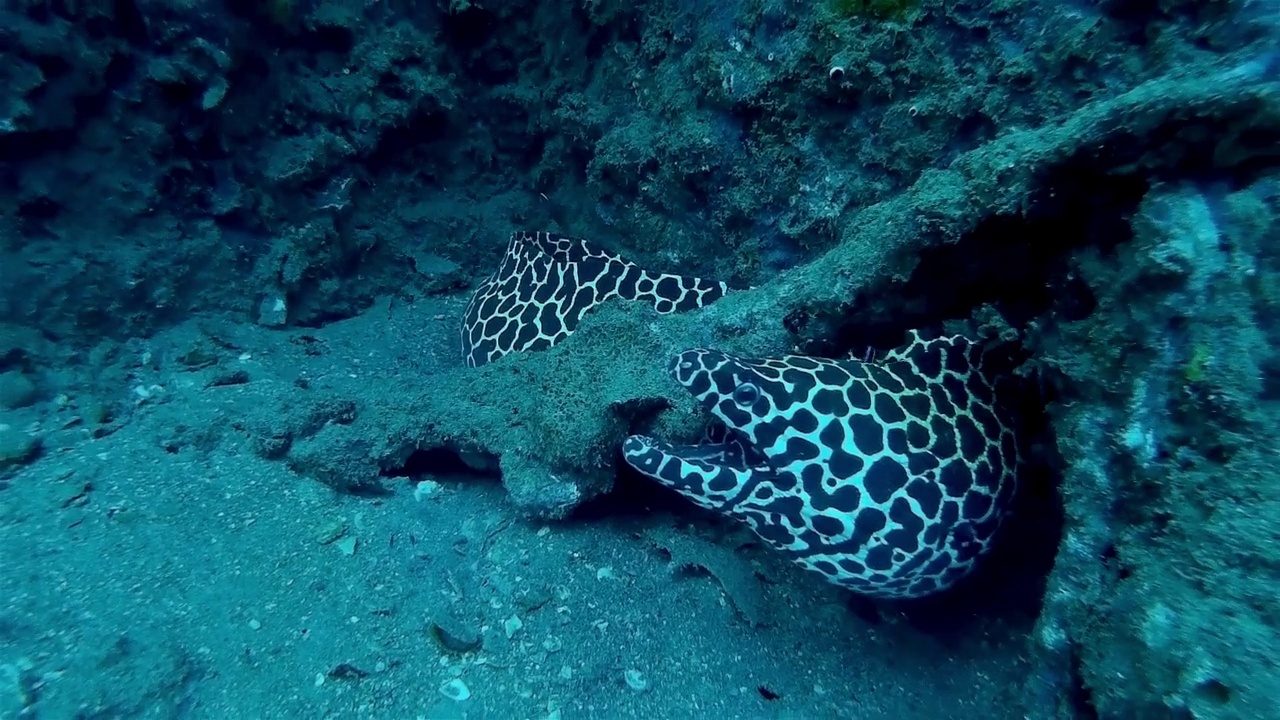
{"x": 545, "y": 285}
{"x": 889, "y": 478}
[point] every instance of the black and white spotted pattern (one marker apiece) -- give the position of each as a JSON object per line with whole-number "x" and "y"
{"x": 545, "y": 285}
{"x": 890, "y": 477}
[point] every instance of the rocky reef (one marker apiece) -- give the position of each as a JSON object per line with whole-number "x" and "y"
{"x": 1097, "y": 181}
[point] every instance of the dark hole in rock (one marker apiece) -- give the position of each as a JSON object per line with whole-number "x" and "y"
{"x": 444, "y": 463}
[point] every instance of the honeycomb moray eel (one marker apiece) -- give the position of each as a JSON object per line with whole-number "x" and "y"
{"x": 889, "y": 478}
{"x": 545, "y": 285}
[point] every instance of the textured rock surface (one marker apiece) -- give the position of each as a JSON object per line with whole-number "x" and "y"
{"x": 1098, "y": 178}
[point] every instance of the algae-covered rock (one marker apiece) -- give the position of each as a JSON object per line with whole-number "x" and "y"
{"x": 16, "y": 447}
{"x": 17, "y": 344}
{"x": 16, "y": 390}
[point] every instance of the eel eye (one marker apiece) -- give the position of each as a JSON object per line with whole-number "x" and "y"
{"x": 746, "y": 394}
